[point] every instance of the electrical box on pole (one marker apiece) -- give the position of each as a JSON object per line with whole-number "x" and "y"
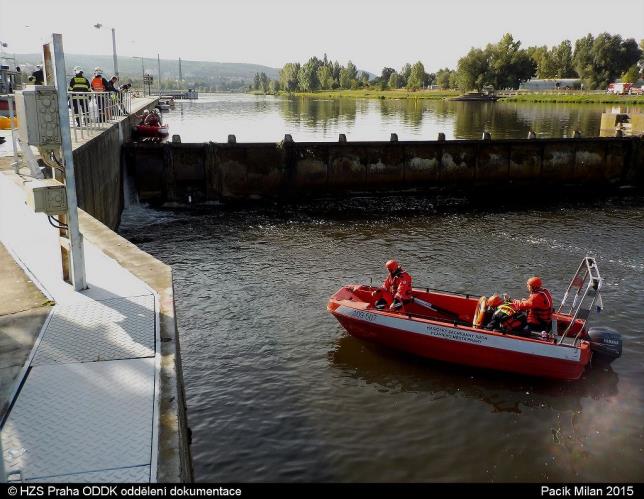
{"x": 47, "y": 196}
{"x": 37, "y": 107}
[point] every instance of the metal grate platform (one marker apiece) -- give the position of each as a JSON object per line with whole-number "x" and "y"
{"x": 90, "y": 331}
{"x": 137, "y": 474}
{"x": 80, "y": 418}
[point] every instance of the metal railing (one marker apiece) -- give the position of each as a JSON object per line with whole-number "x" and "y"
{"x": 584, "y": 289}
{"x": 92, "y": 112}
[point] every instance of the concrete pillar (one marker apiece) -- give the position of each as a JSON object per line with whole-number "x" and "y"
{"x": 393, "y": 138}
{"x": 486, "y": 136}
{"x": 342, "y": 138}
{"x": 288, "y": 138}
{"x": 232, "y": 139}
{"x": 441, "y": 137}
{"x": 176, "y": 139}
{"x": 531, "y": 134}
{"x": 576, "y": 134}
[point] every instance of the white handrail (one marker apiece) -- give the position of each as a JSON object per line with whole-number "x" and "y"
{"x": 92, "y": 112}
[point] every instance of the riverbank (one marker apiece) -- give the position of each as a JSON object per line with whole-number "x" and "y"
{"x": 576, "y": 98}
{"x": 368, "y": 93}
{"x": 569, "y": 98}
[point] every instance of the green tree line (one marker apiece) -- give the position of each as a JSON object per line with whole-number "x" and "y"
{"x": 597, "y": 61}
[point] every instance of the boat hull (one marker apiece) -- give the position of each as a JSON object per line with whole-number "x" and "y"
{"x": 463, "y": 345}
{"x": 152, "y": 131}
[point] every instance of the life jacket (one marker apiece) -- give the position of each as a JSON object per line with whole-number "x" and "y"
{"x": 79, "y": 84}
{"x": 399, "y": 285}
{"x": 97, "y": 84}
{"x": 506, "y": 318}
{"x": 541, "y": 311}
{"x": 152, "y": 120}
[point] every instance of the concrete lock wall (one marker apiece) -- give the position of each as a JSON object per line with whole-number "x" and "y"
{"x": 99, "y": 173}
{"x": 195, "y": 173}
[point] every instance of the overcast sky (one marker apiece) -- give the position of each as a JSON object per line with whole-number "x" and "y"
{"x": 372, "y": 33}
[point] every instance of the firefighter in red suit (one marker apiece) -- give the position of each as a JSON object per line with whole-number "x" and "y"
{"x": 538, "y": 304}
{"x": 396, "y": 290}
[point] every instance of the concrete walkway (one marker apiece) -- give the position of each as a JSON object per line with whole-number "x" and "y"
{"x": 23, "y": 311}
{"x": 88, "y": 407}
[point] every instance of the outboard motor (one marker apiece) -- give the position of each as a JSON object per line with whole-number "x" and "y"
{"x": 605, "y": 343}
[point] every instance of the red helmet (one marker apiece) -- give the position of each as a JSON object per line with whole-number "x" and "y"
{"x": 494, "y": 300}
{"x": 392, "y": 265}
{"x": 535, "y": 282}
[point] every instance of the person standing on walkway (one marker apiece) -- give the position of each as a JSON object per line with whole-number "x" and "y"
{"x": 115, "y": 95}
{"x": 38, "y": 75}
{"x": 100, "y": 84}
{"x": 80, "y": 103}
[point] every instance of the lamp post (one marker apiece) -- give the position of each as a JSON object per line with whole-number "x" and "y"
{"x": 142, "y": 72}
{"x": 116, "y": 65}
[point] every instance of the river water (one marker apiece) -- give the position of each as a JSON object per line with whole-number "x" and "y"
{"x": 278, "y": 391}
{"x": 267, "y": 118}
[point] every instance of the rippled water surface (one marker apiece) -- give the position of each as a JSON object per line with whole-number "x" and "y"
{"x": 277, "y": 390}
{"x": 266, "y": 118}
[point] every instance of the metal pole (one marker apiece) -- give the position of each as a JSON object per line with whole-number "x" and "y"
{"x": 50, "y": 78}
{"x": 16, "y": 163}
{"x": 75, "y": 237}
{"x": 159, "y": 64}
{"x": 116, "y": 65}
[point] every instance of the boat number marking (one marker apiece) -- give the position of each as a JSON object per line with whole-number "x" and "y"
{"x": 365, "y": 316}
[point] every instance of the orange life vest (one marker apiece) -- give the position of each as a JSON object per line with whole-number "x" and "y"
{"x": 97, "y": 84}
{"x": 541, "y": 311}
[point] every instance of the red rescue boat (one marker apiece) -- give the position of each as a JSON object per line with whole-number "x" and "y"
{"x": 439, "y": 325}
{"x": 152, "y": 131}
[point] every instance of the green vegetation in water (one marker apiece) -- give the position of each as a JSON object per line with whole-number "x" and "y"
{"x": 366, "y": 93}
{"x": 576, "y": 98}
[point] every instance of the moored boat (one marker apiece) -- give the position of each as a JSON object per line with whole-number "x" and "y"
{"x": 440, "y": 325}
{"x": 476, "y": 96}
{"x": 486, "y": 95}
{"x": 152, "y": 131}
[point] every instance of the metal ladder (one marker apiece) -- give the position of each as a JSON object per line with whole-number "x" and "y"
{"x": 583, "y": 292}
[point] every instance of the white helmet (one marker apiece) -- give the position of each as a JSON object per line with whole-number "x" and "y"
{"x": 39, "y": 66}
{"x": 77, "y": 69}
{"x": 98, "y": 70}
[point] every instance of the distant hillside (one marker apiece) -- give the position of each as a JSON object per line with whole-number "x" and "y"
{"x": 197, "y": 74}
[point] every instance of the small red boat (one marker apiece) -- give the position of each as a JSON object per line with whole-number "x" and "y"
{"x": 439, "y": 325}
{"x": 152, "y": 131}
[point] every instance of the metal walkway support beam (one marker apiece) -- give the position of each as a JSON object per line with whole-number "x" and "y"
{"x": 75, "y": 237}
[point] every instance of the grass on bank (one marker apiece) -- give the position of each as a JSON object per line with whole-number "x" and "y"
{"x": 365, "y": 93}
{"x": 577, "y": 98}
{"x": 570, "y": 98}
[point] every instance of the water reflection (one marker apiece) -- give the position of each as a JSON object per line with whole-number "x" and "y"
{"x": 399, "y": 372}
{"x": 273, "y": 380}
{"x": 268, "y": 118}
{"x": 322, "y": 114}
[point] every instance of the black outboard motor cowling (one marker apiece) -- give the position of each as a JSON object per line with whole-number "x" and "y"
{"x": 605, "y": 343}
